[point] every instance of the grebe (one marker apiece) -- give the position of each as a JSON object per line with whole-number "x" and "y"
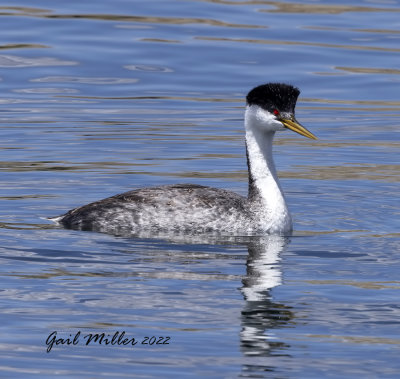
{"x": 190, "y": 208}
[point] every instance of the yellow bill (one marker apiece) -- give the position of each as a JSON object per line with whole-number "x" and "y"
{"x": 296, "y": 127}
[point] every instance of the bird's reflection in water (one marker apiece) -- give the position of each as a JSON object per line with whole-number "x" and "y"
{"x": 260, "y": 315}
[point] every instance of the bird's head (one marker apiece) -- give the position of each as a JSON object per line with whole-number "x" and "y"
{"x": 271, "y": 107}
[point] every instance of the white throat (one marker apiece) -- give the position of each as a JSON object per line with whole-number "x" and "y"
{"x": 265, "y": 193}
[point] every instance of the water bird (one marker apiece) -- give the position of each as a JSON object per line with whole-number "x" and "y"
{"x": 192, "y": 208}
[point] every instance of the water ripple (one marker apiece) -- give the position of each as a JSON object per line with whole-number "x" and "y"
{"x": 13, "y": 61}
{"x": 299, "y": 43}
{"x": 84, "y": 80}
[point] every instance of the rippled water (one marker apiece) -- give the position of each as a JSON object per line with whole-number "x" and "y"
{"x": 98, "y": 98}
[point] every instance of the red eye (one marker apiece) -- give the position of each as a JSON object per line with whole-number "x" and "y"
{"x": 276, "y": 112}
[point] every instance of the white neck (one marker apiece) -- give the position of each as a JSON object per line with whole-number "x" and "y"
{"x": 265, "y": 193}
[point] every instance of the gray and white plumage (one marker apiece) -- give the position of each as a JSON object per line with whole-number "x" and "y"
{"x": 193, "y": 208}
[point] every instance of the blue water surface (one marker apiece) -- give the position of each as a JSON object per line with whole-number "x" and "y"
{"x": 102, "y": 97}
